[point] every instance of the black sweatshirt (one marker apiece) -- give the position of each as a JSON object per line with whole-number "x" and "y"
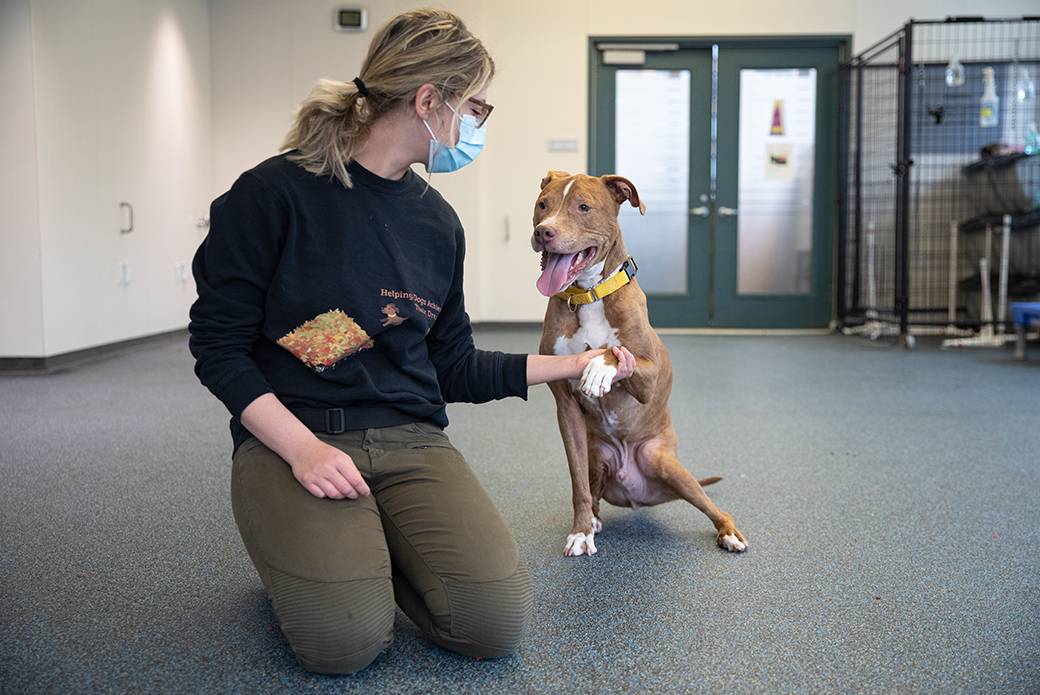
{"x": 331, "y": 297}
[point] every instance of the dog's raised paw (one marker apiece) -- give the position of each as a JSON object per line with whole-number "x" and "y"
{"x": 732, "y": 544}
{"x": 597, "y": 377}
{"x": 580, "y": 544}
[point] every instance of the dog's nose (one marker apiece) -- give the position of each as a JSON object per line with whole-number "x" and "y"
{"x": 544, "y": 234}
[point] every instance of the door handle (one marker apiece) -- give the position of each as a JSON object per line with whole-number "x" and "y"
{"x": 129, "y": 228}
{"x": 727, "y": 212}
{"x": 701, "y": 211}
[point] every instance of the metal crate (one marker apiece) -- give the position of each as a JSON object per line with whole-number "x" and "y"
{"x": 940, "y": 217}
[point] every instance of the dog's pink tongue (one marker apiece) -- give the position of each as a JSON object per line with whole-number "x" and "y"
{"x": 554, "y": 277}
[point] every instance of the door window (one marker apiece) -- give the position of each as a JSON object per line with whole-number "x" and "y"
{"x": 652, "y": 146}
{"x": 775, "y": 181}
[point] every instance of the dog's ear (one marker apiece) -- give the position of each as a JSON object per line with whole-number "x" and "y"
{"x": 623, "y": 190}
{"x": 554, "y": 175}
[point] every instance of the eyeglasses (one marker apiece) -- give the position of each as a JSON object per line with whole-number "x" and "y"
{"x": 484, "y": 110}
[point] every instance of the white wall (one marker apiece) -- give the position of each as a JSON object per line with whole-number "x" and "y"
{"x": 118, "y": 109}
{"x": 21, "y": 301}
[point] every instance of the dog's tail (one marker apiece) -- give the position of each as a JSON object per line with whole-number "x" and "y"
{"x": 709, "y": 481}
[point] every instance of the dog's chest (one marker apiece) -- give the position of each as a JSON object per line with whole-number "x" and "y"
{"x": 594, "y": 331}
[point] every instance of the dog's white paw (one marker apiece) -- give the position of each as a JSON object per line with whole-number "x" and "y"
{"x": 580, "y": 544}
{"x": 597, "y": 524}
{"x": 597, "y": 377}
{"x": 733, "y": 544}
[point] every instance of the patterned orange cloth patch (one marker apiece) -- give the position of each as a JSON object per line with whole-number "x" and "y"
{"x": 326, "y": 339}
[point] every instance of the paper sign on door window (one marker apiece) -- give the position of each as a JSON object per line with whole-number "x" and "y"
{"x": 777, "y": 127}
{"x": 779, "y": 162}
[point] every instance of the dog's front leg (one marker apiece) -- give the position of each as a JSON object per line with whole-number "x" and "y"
{"x": 643, "y": 382}
{"x": 575, "y": 441}
{"x": 599, "y": 375}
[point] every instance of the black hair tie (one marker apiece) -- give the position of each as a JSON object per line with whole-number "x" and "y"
{"x": 361, "y": 88}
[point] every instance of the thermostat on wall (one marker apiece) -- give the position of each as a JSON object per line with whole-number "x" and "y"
{"x": 350, "y": 19}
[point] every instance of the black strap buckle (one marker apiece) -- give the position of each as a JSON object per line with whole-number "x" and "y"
{"x": 630, "y": 273}
{"x": 335, "y": 421}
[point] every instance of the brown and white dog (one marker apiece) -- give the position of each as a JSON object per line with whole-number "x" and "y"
{"x": 620, "y": 442}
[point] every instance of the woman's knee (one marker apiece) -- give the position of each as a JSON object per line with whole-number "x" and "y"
{"x": 490, "y": 619}
{"x": 335, "y": 657}
{"x": 334, "y": 627}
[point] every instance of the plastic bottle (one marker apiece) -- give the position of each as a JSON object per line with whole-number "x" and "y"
{"x": 1032, "y": 140}
{"x": 1025, "y": 88}
{"x": 989, "y": 105}
{"x": 954, "y": 73}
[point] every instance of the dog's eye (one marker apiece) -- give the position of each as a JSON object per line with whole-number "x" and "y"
{"x": 583, "y": 207}
{"x": 541, "y": 204}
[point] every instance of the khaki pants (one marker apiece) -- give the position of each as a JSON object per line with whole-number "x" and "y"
{"x": 428, "y": 537}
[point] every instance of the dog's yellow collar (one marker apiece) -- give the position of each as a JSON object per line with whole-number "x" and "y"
{"x": 576, "y": 295}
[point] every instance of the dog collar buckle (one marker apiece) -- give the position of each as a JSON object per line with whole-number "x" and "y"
{"x": 630, "y": 273}
{"x": 622, "y": 277}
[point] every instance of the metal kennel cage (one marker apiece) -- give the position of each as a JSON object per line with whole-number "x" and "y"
{"x": 940, "y": 215}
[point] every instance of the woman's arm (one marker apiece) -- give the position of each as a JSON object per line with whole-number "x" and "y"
{"x": 545, "y": 368}
{"x": 234, "y": 267}
{"x": 325, "y": 471}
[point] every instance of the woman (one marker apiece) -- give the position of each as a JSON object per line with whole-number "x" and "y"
{"x": 331, "y": 323}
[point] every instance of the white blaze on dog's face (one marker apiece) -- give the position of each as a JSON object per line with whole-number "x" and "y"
{"x": 575, "y": 223}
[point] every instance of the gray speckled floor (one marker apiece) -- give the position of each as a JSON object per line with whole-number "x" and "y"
{"x": 891, "y": 500}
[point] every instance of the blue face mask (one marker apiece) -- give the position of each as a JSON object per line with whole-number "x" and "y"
{"x": 471, "y": 141}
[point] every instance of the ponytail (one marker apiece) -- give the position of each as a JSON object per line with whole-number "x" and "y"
{"x": 414, "y": 48}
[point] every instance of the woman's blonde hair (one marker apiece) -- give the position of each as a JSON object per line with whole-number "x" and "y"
{"x": 426, "y": 46}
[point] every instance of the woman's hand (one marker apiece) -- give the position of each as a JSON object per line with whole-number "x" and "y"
{"x": 325, "y": 471}
{"x": 322, "y": 469}
{"x": 599, "y": 373}
{"x": 626, "y": 363}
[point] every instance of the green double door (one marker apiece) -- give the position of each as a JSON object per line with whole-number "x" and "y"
{"x": 733, "y": 149}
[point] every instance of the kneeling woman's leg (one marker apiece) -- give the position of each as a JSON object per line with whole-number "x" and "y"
{"x": 323, "y": 562}
{"x": 456, "y": 568}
